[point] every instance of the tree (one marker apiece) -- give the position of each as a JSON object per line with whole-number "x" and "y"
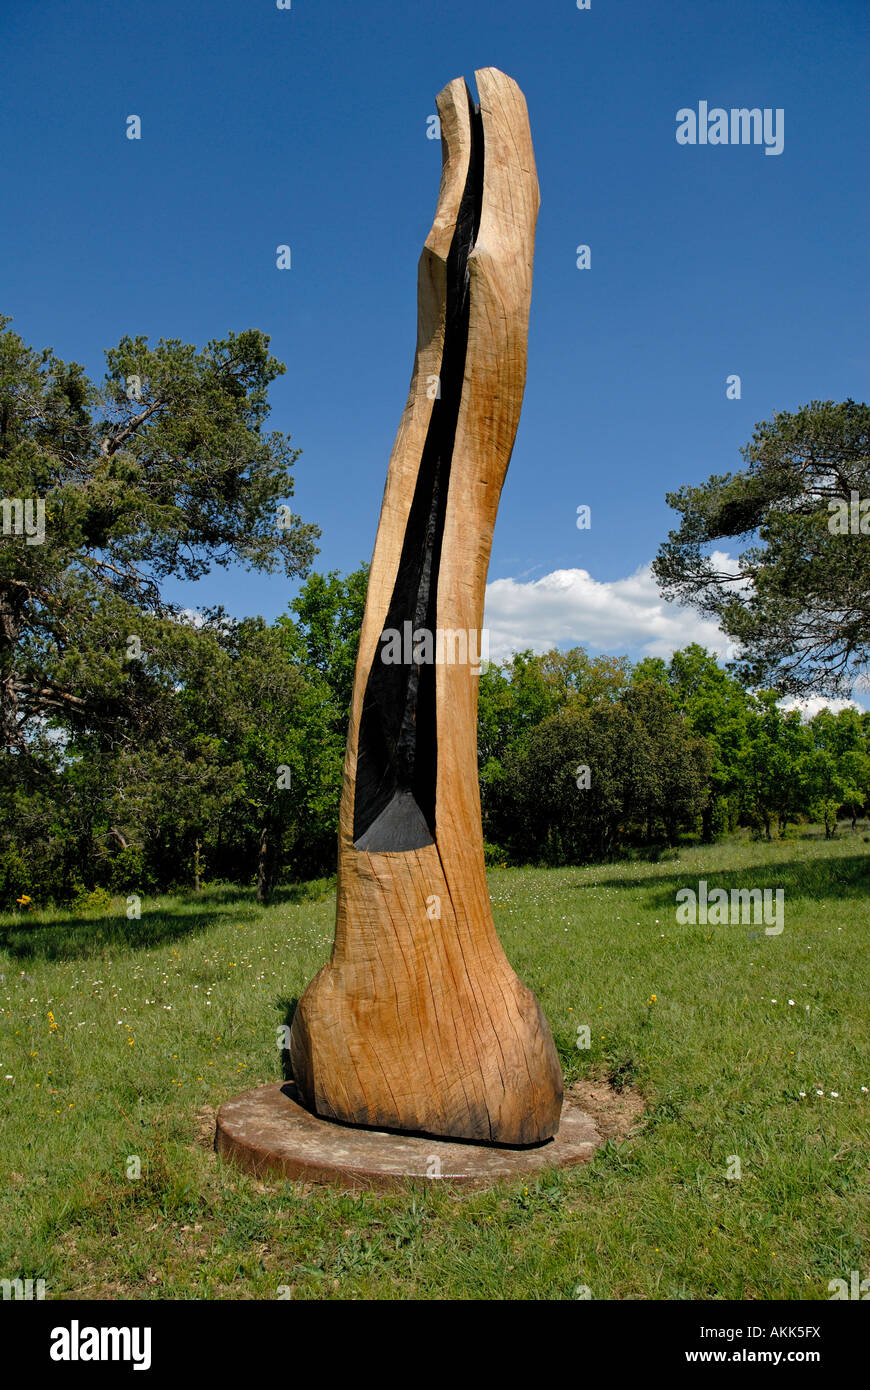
{"x": 673, "y": 781}
{"x": 162, "y": 472}
{"x": 837, "y": 768}
{"x": 517, "y": 695}
{"x": 798, "y": 601}
{"x": 772, "y": 764}
{"x": 645, "y": 769}
{"x": 262, "y": 714}
{"x": 718, "y": 709}
{"x": 325, "y": 634}
{"x": 537, "y": 810}
{"x": 91, "y": 800}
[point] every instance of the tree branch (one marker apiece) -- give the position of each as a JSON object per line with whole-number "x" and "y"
{"x": 110, "y": 446}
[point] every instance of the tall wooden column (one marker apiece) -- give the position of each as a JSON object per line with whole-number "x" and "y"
{"x": 418, "y": 1022}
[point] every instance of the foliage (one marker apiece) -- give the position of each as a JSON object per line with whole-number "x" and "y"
{"x": 146, "y": 748}
{"x": 798, "y": 601}
{"x": 162, "y": 472}
{"x": 646, "y": 774}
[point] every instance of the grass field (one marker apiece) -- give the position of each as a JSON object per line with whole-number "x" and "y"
{"x": 118, "y": 1040}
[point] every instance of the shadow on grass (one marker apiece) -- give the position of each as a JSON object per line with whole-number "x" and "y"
{"x": 315, "y": 891}
{"x": 89, "y": 936}
{"x": 69, "y": 938}
{"x": 848, "y": 877}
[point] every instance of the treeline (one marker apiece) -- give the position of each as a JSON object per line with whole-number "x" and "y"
{"x": 141, "y": 749}
{"x": 581, "y": 757}
{"x": 231, "y": 766}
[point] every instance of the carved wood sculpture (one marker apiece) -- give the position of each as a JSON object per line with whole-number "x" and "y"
{"x": 418, "y": 1022}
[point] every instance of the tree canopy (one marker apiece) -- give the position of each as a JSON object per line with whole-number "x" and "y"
{"x": 797, "y": 601}
{"x": 146, "y": 747}
{"x": 162, "y": 471}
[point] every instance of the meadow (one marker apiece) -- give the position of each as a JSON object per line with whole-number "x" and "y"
{"x": 119, "y": 1039}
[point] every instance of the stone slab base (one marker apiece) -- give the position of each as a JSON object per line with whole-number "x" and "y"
{"x": 268, "y": 1131}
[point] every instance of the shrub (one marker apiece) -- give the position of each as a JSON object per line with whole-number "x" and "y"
{"x": 95, "y": 900}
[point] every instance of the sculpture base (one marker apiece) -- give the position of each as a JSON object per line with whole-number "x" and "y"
{"x": 268, "y": 1131}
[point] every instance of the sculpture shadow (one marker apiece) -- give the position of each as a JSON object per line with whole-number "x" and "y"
{"x": 288, "y": 1008}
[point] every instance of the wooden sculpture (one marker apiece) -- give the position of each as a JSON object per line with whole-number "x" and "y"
{"x": 418, "y": 1022}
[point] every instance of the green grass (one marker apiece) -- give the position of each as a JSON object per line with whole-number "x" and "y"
{"x": 159, "y": 1020}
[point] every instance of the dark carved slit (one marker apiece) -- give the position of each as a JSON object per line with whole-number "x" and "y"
{"x": 394, "y": 806}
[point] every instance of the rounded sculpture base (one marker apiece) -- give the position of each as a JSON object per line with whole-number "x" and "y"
{"x": 268, "y": 1131}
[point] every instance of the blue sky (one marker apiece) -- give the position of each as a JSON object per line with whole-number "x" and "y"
{"x": 307, "y": 127}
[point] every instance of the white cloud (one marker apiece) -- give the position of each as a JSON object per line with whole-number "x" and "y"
{"x": 570, "y": 608}
{"x": 809, "y": 705}
{"x": 191, "y": 617}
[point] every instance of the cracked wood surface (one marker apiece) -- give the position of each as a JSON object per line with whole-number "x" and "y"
{"x": 418, "y": 1022}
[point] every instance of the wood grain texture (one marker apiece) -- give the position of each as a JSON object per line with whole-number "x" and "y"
{"x": 418, "y": 1022}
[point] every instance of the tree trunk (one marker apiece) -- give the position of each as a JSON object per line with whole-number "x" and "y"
{"x": 263, "y": 856}
{"x": 268, "y": 854}
{"x": 12, "y": 602}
